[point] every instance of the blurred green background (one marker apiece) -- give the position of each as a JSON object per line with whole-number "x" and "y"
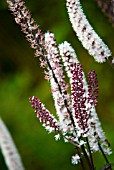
{"x": 21, "y": 77}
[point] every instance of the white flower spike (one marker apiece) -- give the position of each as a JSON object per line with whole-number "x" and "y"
{"x": 9, "y": 150}
{"x": 86, "y": 34}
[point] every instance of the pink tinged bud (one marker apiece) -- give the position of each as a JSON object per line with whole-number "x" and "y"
{"x": 43, "y": 63}
{"x": 38, "y": 53}
{"x": 35, "y": 27}
{"x": 17, "y": 20}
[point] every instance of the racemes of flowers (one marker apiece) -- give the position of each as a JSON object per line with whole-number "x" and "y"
{"x": 77, "y": 121}
{"x": 8, "y": 149}
{"x": 86, "y": 34}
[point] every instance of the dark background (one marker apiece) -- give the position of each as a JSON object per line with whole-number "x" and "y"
{"x": 21, "y": 77}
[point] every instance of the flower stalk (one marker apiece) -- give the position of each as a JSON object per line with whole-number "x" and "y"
{"x": 77, "y": 121}
{"x": 9, "y": 150}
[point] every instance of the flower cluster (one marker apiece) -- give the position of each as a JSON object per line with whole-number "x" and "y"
{"x": 93, "y": 87}
{"x": 9, "y": 150}
{"x": 48, "y": 120}
{"x": 77, "y": 120}
{"x": 69, "y": 58}
{"x": 86, "y": 34}
{"x": 91, "y": 92}
{"x": 28, "y": 26}
{"x": 58, "y": 85}
{"x": 79, "y": 99}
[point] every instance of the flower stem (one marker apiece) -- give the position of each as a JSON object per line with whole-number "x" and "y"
{"x": 81, "y": 161}
{"x": 87, "y": 158}
{"x": 104, "y": 154}
{"x": 91, "y": 158}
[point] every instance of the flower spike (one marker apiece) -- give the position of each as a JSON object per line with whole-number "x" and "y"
{"x": 48, "y": 120}
{"x": 9, "y": 150}
{"x": 79, "y": 99}
{"x": 93, "y": 87}
{"x": 58, "y": 85}
{"x": 86, "y": 34}
{"x": 28, "y": 26}
{"x": 77, "y": 120}
{"x": 69, "y": 58}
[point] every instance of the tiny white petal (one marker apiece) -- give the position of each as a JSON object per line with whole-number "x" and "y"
{"x": 75, "y": 159}
{"x": 57, "y": 137}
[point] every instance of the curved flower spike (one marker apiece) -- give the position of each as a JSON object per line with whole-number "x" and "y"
{"x": 48, "y": 120}
{"x": 9, "y": 150}
{"x": 86, "y": 34}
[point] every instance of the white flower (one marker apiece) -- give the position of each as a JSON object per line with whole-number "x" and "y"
{"x": 113, "y": 61}
{"x": 107, "y": 151}
{"x": 66, "y": 140}
{"x": 82, "y": 142}
{"x": 57, "y": 137}
{"x": 48, "y": 128}
{"x": 75, "y": 159}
